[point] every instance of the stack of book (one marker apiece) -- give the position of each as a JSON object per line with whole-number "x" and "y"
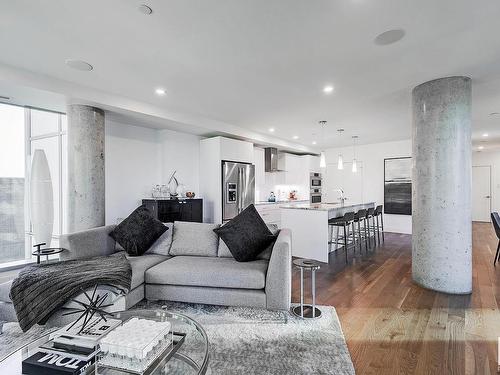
{"x": 71, "y": 351}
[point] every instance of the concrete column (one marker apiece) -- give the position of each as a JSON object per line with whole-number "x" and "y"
{"x": 442, "y": 220}
{"x": 85, "y": 167}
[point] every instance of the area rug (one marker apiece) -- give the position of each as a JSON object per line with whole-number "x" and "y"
{"x": 247, "y": 340}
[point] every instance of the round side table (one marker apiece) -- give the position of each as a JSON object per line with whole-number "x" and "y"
{"x": 307, "y": 311}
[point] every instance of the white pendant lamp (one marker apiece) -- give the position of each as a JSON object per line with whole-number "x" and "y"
{"x": 322, "y": 160}
{"x": 354, "y": 161}
{"x": 340, "y": 161}
{"x": 41, "y": 199}
{"x": 322, "y": 157}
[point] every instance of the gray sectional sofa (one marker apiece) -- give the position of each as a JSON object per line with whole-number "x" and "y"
{"x": 188, "y": 263}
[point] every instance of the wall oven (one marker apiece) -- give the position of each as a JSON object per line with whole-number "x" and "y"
{"x": 315, "y": 180}
{"x": 315, "y": 196}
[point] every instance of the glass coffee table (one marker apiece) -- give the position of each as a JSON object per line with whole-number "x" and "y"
{"x": 191, "y": 358}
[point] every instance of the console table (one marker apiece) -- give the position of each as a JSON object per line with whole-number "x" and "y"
{"x": 180, "y": 209}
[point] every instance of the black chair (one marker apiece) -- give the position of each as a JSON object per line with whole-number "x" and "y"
{"x": 370, "y": 214}
{"x": 379, "y": 212}
{"x": 344, "y": 222}
{"x": 361, "y": 217}
{"x": 495, "y": 219}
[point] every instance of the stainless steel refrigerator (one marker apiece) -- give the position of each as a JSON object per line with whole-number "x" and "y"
{"x": 238, "y": 188}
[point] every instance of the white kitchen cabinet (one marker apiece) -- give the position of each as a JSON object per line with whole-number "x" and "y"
{"x": 270, "y": 213}
{"x": 212, "y": 152}
{"x": 260, "y": 174}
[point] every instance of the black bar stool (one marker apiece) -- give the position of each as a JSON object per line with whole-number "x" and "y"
{"x": 344, "y": 222}
{"x": 495, "y": 219}
{"x": 359, "y": 217}
{"x": 379, "y": 213}
{"x": 370, "y": 214}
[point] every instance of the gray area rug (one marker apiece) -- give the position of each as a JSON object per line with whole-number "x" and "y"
{"x": 247, "y": 340}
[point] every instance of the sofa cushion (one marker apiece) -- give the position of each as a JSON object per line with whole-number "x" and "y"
{"x": 141, "y": 264}
{"x": 246, "y": 235}
{"x": 223, "y": 250}
{"x": 196, "y": 239}
{"x": 209, "y": 272}
{"x": 162, "y": 244}
{"x": 138, "y": 231}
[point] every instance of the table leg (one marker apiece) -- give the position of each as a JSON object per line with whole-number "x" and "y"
{"x": 314, "y": 291}
{"x": 301, "y": 292}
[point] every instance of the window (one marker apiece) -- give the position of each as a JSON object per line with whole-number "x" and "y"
{"x": 12, "y": 183}
{"x": 23, "y": 130}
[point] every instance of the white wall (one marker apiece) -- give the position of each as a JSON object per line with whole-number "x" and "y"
{"x": 132, "y": 157}
{"x": 492, "y": 159}
{"x": 371, "y": 158}
{"x": 138, "y": 158}
{"x": 180, "y": 152}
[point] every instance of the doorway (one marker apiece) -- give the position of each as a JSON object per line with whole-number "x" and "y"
{"x": 481, "y": 193}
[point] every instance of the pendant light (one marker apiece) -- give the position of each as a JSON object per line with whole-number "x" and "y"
{"x": 340, "y": 161}
{"x": 322, "y": 157}
{"x": 354, "y": 161}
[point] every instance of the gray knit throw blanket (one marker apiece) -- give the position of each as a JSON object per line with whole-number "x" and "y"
{"x": 41, "y": 289}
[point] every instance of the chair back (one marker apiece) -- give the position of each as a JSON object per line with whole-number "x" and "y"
{"x": 370, "y": 212}
{"x": 361, "y": 214}
{"x": 378, "y": 210}
{"x": 495, "y": 219}
{"x": 349, "y": 216}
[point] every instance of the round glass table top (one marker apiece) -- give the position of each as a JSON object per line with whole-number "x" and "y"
{"x": 191, "y": 357}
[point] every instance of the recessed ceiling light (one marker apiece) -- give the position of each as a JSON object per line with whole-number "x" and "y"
{"x": 160, "y": 91}
{"x": 494, "y": 113}
{"x": 295, "y": 137}
{"x": 485, "y": 134}
{"x": 314, "y": 142}
{"x": 328, "y": 89}
{"x": 79, "y": 65}
{"x": 144, "y": 9}
{"x": 389, "y": 37}
{"x": 271, "y": 130}
{"x": 480, "y": 147}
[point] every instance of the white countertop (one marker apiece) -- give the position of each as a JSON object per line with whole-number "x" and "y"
{"x": 323, "y": 206}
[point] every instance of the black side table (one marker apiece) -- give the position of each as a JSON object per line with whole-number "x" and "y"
{"x": 48, "y": 251}
{"x": 307, "y": 311}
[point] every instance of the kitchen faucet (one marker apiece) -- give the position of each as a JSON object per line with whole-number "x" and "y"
{"x": 342, "y": 197}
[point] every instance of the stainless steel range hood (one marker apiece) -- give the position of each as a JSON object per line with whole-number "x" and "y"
{"x": 271, "y": 159}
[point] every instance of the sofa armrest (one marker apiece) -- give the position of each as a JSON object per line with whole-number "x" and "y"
{"x": 87, "y": 243}
{"x": 279, "y": 273}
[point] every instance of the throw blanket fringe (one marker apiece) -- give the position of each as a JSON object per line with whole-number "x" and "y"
{"x": 40, "y": 290}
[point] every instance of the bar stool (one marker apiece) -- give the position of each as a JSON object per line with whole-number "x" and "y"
{"x": 359, "y": 217}
{"x": 495, "y": 220}
{"x": 370, "y": 214}
{"x": 379, "y": 212}
{"x": 345, "y": 222}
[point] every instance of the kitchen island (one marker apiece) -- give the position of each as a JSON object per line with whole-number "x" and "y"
{"x": 309, "y": 225}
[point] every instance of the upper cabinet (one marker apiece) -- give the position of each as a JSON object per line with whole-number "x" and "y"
{"x": 235, "y": 150}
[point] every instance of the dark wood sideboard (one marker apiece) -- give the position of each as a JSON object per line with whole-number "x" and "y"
{"x": 170, "y": 210}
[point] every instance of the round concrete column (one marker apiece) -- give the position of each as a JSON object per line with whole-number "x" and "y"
{"x": 85, "y": 167}
{"x": 442, "y": 222}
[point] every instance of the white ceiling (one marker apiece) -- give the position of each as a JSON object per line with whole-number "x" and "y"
{"x": 241, "y": 67}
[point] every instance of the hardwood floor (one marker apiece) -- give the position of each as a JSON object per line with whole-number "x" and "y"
{"x": 393, "y": 326}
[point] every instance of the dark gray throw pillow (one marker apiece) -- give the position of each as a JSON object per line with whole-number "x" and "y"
{"x": 138, "y": 231}
{"x": 246, "y": 235}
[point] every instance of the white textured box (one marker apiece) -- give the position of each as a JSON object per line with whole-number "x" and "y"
{"x": 136, "y": 338}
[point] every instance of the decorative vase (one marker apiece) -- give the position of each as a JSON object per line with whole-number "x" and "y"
{"x": 41, "y": 199}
